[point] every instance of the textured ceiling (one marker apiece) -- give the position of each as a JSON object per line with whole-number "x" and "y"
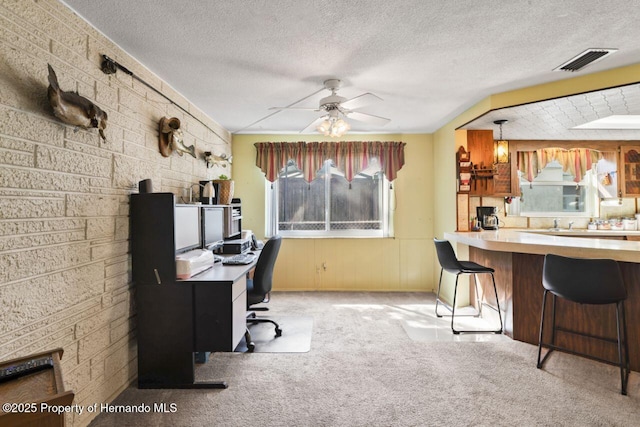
{"x": 556, "y": 118}
{"x": 429, "y": 60}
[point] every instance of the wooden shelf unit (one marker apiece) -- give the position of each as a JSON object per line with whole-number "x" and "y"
{"x": 42, "y": 387}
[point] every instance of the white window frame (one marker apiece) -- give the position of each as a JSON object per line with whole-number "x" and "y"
{"x": 591, "y": 197}
{"x": 387, "y": 208}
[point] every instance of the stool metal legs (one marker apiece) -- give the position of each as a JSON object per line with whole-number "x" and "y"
{"x": 452, "y": 309}
{"x": 623, "y": 350}
{"x": 621, "y": 341}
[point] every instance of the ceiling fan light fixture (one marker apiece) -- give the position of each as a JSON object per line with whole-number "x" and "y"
{"x": 339, "y": 128}
{"x": 333, "y": 127}
{"x": 324, "y": 127}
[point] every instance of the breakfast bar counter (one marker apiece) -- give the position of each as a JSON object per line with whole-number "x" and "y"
{"x": 542, "y": 242}
{"x": 518, "y": 258}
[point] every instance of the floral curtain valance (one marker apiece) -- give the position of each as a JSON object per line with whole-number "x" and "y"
{"x": 350, "y": 157}
{"x": 576, "y": 161}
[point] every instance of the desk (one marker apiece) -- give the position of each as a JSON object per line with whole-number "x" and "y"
{"x": 176, "y": 319}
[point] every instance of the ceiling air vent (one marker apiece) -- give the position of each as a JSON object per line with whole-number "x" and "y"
{"x": 587, "y": 57}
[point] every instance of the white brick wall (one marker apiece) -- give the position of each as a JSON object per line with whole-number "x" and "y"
{"x": 64, "y": 194}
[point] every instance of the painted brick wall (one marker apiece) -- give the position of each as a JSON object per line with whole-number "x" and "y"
{"x": 65, "y": 270}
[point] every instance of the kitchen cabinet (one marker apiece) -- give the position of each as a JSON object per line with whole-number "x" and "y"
{"x": 630, "y": 171}
{"x": 487, "y": 178}
{"x": 479, "y": 176}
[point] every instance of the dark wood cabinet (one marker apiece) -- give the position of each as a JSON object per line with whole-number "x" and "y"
{"x": 153, "y": 250}
{"x": 176, "y": 318}
{"x": 487, "y": 177}
{"x": 630, "y": 171}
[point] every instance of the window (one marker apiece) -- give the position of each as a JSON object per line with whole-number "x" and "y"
{"x": 554, "y": 192}
{"x": 329, "y": 206}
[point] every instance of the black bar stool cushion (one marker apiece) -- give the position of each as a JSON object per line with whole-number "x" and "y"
{"x": 450, "y": 263}
{"x": 585, "y": 281}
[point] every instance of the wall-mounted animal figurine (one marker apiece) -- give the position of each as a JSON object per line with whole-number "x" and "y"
{"x": 74, "y": 109}
{"x": 172, "y": 138}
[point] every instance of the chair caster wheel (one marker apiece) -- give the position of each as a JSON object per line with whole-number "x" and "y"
{"x": 498, "y": 332}
{"x": 456, "y": 332}
{"x": 278, "y": 332}
{"x": 250, "y": 347}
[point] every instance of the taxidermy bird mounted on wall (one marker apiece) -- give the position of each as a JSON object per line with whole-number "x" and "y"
{"x": 74, "y": 109}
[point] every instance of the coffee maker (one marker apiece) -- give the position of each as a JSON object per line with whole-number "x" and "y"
{"x": 488, "y": 217}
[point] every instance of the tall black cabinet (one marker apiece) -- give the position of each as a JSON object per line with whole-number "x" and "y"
{"x": 176, "y": 318}
{"x": 153, "y": 249}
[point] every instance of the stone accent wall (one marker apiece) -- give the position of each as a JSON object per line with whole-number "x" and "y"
{"x": 65, "y": 270}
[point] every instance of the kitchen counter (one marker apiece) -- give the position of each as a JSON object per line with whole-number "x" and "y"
{"x": 582, "y": 232}
{"x": 517, "y": 256}
{"x": 543, "y": 242}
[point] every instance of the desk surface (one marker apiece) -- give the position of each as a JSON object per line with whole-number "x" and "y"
{"x": 224, "y": 273}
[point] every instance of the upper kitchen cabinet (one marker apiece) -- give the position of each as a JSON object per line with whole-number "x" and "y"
{"x": 488, "y": 177}
{"x": 630, "y": 171}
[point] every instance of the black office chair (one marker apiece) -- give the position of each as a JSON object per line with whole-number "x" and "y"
{"x": 585, "y": 281}
{"x": 259, "y": 287}
{"x": 450, "y": 263}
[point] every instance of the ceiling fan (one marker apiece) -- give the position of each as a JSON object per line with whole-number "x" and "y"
{"x": 336, "y": 107}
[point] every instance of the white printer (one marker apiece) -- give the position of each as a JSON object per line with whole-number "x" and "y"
{"x": 190, "y": 263}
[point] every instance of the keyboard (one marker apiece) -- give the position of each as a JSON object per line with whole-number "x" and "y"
{"x": 239, "y": 259}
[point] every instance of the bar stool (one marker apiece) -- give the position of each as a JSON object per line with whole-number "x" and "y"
{"x": 450, "y": 263}
{"x": 586, "y": 281}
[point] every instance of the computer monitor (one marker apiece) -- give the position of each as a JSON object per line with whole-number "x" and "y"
{"x": 187, "y": 227}
{"x": 212, "y": 227}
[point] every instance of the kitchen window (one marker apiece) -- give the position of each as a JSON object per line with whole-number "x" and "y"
{"x": 554, "y": 191}
{"x": 330, "y": 206}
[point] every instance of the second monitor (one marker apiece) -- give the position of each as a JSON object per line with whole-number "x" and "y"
{"x": 212, "y": 227}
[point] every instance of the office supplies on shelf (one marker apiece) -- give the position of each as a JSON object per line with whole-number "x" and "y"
{"x": 232, "y": 221}
{"x": 190, "y": 263}
{"x": 239, "y": 259}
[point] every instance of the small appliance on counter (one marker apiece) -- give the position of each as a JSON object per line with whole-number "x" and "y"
{"x": 488, "y": 217}
{"x": 207, "y": 193}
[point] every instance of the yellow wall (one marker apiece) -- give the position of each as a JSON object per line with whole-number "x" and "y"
{"x": 426, "y": 206}
{"x": 445, "y": 144}
{"x": 402, "y": 263}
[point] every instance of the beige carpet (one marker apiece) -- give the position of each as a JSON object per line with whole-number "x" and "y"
{"x": 295, "y": 338}
{"x": 364, "y": 370}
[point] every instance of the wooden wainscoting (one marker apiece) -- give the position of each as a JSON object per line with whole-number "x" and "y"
{"x": 519, "y": 281}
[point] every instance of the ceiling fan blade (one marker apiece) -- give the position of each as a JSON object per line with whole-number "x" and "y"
{"x": 368, "y": 118}
{"x": 313, "y": 125}
{"x": 360, "y": 101}
{"x": 277, "y": 111}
